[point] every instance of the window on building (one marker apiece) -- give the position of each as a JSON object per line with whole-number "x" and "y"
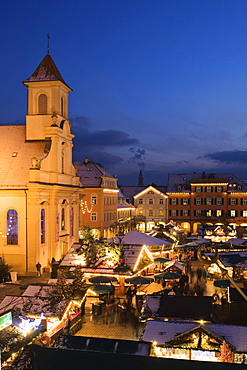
{"x": 150, "y": 192}
{"x": 219, "y": 201}
{"x": 244, "y": 202}
{"x": 63, "y": 219}
{"x": 62, "y": 107}
{"x": 42, "y": 104}
{"x": 63, "y": 160}
{"x": 198, "y": 189}
{"x": 208, "y": 189}
{"x": 179, "y": 188}
{"x": 161, "y": 201}
{"x": 161, "y": 212}
{"x": 150, "y": 212}
{"x": 140, "y": 201}
{"x": 94, "y": 199}
{"x": 185, "y": 201}
{"x": 232, "y": 213}
{"x": 185, "y": 212}
{"x": 42, "y": 225}
{"x": 12, "y": 227}
{"x": 219, "y": 189}
{"x": 208, "y": 201}
{"x": 198, "y": 212}
{"x": 209, "y": 213}
{"x": 239, "y": 187}
{"x": 233, "y": 201}
{"x": 72, "y": 222}
{"x": 198, "y": 201}
{"x": 174, "y": 201}
{"x": 173, "y": 212}
{"x": 218, "y": 213}
{"x": 244, "y": 213}
{"x": 94, "y": 216}
{"x": 151, "y": 201}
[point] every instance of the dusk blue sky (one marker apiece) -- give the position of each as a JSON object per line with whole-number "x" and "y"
{"x": 159, "y": 85}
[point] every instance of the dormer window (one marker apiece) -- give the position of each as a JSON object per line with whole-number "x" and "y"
{"x": 179, "y": 187}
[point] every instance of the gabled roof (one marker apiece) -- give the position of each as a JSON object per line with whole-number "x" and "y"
{"x": 34, "y": 305}
{"x": 150, "y": 188}
{"x": 46, "y": 71}
{"x": 95, "y": 344}
{"x": 130, "y": 191}
{"x": 185, "y": 307}
{"x": 44, "y": 358}
{"x": 164, "y": 331}
{"x": 91, "y": 173}
{"x": 184, "y": 180}
{"x": 137, "y": 238}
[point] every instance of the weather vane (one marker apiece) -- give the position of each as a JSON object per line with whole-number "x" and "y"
{"x": 48, "y": 43}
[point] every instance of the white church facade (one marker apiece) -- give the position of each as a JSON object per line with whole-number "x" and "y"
{"x": 39, "y": 188}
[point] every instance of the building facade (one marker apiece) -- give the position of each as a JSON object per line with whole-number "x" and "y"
{"x": 99, "y": 198}
{"x": 39, "y": 188}
{"x": 207, "y": 199}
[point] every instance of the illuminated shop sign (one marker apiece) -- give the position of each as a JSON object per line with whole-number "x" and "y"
{"x": 5, "y": 320}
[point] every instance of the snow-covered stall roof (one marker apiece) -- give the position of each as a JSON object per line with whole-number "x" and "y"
{"x": 137, "y": 238}
{"x": 33, "y": 305}
{"x": 164, "y": 331}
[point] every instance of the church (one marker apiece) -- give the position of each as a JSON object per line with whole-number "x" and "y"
{"x": 39, "y": 187}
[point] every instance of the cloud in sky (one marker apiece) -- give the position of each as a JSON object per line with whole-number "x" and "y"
{"x": 238, "y": 157}
{"x": 138, "y": 156}
{"x": 99, "y": 146}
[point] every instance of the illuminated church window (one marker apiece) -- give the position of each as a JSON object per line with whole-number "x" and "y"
{"x": 12, "y": 227}
{"x": 63, "y": 219}
{"x": 42, "y": 221}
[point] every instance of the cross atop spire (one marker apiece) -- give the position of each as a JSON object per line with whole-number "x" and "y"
{"x": 48, "y": 43}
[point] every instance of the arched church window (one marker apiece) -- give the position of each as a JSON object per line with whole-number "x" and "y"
{"x": 42, "y": 104}
{"x": 63, "y": 219}
{"x": 42, "y": 225}
{"x": 72, "y": 222}
{"x": 63, "y": 160}
{"x": 62, "y": 107}
{"x": 12, "y": 227}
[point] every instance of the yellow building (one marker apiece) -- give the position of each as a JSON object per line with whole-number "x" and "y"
{"x": 39, "y": 189}
{"x": 99, "y": 198}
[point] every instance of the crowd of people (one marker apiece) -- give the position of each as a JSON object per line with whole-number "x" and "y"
{"x": 116, "y": 310}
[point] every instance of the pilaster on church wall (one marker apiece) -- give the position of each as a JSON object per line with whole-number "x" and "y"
{"x": 33, "y": 238}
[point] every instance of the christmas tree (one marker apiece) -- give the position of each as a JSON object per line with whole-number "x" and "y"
{"x": 226, "y": 354}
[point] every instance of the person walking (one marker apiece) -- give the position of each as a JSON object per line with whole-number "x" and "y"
{"x": 38, "y": 269}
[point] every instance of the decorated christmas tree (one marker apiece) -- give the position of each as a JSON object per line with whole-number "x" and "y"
{"x": 226, "y": 354}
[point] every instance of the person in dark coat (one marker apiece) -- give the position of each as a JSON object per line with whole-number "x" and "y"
{"x": 38, "y": 269}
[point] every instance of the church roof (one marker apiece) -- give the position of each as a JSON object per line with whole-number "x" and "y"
{"x": 46, "y": 71}
{"x": 16, "y": 154}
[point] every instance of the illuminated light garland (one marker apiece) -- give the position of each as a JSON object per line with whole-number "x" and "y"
{"x": 149, "y": 254}
{"x": 85, "y": 208}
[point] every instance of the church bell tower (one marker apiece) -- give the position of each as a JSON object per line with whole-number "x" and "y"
{"x": 47, "y": 98}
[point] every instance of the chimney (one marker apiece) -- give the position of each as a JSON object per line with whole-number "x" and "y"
{"x": 86, "y": 160}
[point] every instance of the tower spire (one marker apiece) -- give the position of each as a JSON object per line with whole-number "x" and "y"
{"x": 48, "y": 43}
{"x": 140, "y": 179}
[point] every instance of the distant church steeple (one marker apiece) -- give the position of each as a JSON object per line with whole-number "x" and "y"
{"x": 140, "y": 179}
